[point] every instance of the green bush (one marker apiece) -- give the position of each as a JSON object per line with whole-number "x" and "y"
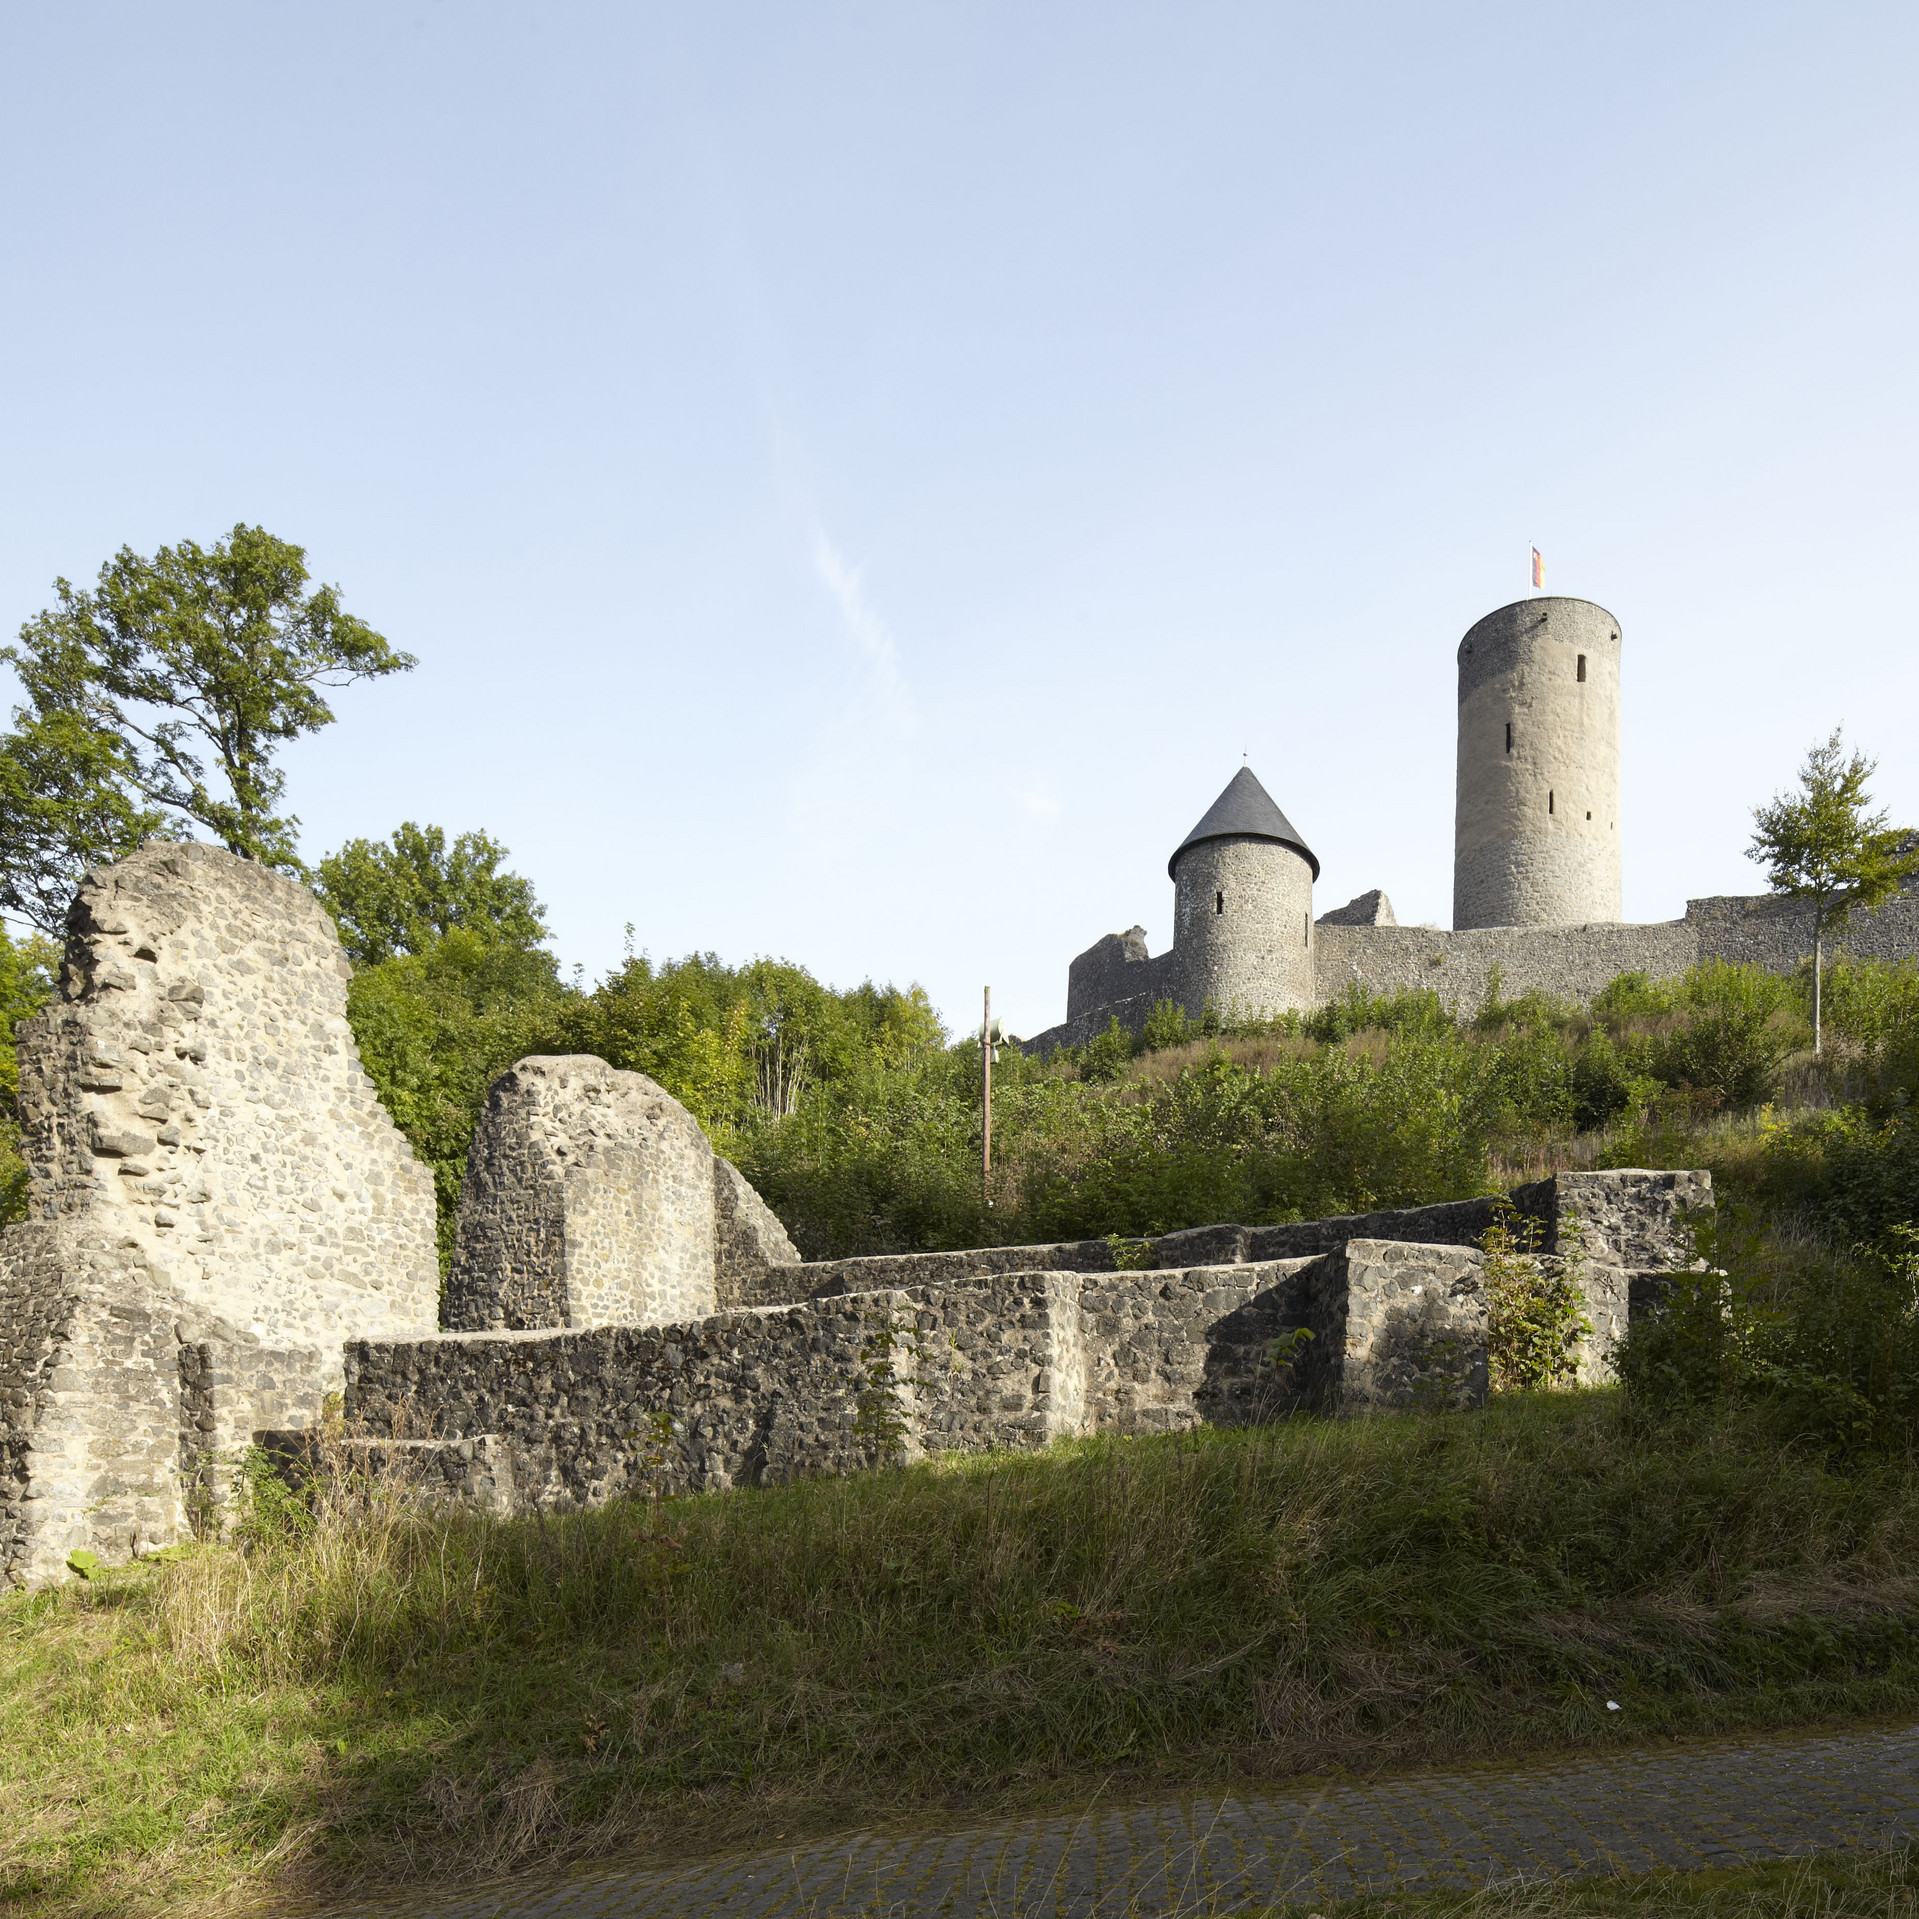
{"x": 1827, "y": 1344}
{"x": 1734, "y": 1027}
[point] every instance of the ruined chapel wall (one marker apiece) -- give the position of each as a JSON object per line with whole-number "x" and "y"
{"x": 196, "y": 1089}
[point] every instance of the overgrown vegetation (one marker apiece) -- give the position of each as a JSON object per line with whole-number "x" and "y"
{"x": 358, "y": 1690}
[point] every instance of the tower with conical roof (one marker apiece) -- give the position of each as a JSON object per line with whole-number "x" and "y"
{"x": 1243, "y": 908}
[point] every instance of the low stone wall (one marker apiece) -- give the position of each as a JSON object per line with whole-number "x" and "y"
{"x": 1396, "y": 1326}
{"x": 1634, "y": 1219}
{"x": 1168, "y": 1350}
{"x": 971, "y": 1362}
{"x": 90, "y": 1429}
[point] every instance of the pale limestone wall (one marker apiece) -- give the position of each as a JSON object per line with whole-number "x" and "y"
{"x": 1536, "y": 833}
{"x": 1242, "y": 928}
{"x": 588, "y": 1201}
{"x": 196, "y": 1089}
{"x": 218, "y": 1200}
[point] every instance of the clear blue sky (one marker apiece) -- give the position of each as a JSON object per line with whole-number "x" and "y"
{"x": 857, "y": 478}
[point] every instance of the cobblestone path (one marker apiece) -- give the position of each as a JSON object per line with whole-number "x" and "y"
{"x": 1691, "y": 1807}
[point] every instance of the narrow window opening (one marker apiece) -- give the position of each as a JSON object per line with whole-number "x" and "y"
{"x": 1219, "y": 902}
{"x": 1582, "y": 666}
{"x": 1549, "y": 799}
{"x": 1509, "y": 736}
{"x": 1589, "y": 816}
{"x": 1307, "y": 936}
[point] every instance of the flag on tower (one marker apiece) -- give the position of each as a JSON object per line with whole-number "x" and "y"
{"x": 1539, "y": 569}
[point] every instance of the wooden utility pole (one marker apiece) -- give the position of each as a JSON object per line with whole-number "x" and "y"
{"x": 986, "y": 1100}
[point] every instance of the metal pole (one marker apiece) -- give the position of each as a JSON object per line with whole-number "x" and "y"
{"x": 986, "y": 1100}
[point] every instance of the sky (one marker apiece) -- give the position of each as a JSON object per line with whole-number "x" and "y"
{"x": 858, "y": 478}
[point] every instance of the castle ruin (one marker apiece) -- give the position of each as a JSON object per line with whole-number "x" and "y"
{"x": 228, "y": 1233}
{"x": 1536, "y": 870}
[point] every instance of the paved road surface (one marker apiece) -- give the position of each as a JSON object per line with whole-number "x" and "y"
{"x": 1697, "y": 1806}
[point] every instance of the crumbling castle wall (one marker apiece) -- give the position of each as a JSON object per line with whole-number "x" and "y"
{"x": 588, "y": 1201}
{"x": 1568, "y": 962}
{"x": 196, "y": 1089}
{"x": 961, "y": 1352}
{"x": 218, "y": 1199}
{"x": 752, "y": 1253}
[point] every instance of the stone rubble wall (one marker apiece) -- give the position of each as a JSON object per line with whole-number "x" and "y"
{"x": 1116, "y": 968}
{"x": 196, "y": 1089}
{"x": 1011, "y": 1362}
{"x": 1169, "y": 1350}
{"x": 588, "y": 1201}
{"x": 944, "y": 1358}
{"x": 90, "y": 1427}
{"x": 1635, "y": 1220}
{"x": 1397, "y": 1326}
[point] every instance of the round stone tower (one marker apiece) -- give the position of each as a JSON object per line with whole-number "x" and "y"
{"x": 1243, "y": 908}
{"x": 1536, "y": 826}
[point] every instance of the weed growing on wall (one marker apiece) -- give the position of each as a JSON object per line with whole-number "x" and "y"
{"x": 1536, "y": 1319}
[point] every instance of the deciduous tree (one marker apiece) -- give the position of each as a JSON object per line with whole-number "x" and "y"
{"x": 404, "y": 894}
{"x": 160, "y": 699}
{"x": 1825, "y": 846}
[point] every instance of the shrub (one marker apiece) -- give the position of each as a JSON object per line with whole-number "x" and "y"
{"x": 1536, "y": 1318}
{"x": 1735, "y": 1026}
{"x": 1828, "y": 1344}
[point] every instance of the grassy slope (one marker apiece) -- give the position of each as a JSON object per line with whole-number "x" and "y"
{"x": 404, "y": 1697}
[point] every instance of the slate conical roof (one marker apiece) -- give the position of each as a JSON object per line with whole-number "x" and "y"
{"x": 1246, "y": 811}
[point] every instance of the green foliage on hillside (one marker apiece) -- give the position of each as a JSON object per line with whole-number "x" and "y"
{"x": 28, "y": 968}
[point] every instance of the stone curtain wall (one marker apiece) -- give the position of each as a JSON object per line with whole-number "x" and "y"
{"x": 197, "y": 1089}
{"x": 588, "y": 1201}
{"x": 1569, "y": 962}
{"x": 1116, "y": 968}
{"x": 1578, "y": 962}
{"x": 218, "y": 1200}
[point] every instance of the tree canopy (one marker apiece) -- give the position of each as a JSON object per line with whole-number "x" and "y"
{"x": 404, "y": 894}
{"x": 158, "y": 701}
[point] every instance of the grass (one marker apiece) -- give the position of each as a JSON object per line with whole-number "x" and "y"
{"x": 382, "y": 1695}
